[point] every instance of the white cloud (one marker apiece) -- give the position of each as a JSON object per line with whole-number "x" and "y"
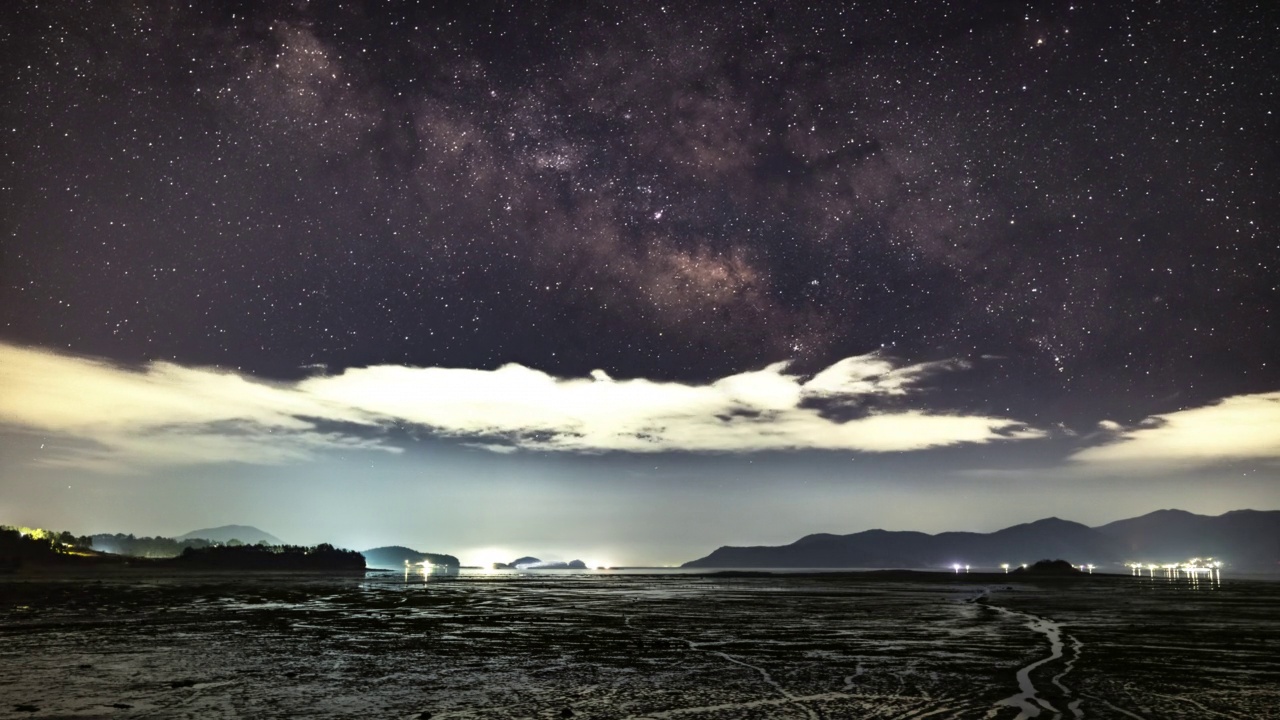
{"x": 165, "y": 414}
{"x": 747, "y": 412}
{"x": 873, "y": 375}
{"x": 1235, "y": 428}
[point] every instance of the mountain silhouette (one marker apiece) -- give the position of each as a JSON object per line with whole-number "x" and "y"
{"x": 1243, "y": 538}
{"x": 244, "y": 533}
{"x": 1247, "y": 540}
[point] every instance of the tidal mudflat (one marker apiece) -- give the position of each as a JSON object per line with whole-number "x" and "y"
{"x": 636, "y": 646}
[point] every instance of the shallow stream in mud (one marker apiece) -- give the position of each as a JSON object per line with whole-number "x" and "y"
{"x": 635, "y": 646}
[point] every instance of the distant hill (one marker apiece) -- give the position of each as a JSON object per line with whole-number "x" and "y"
{"x": 1049, "y": 538}
{"x": 244, "y": 533}
{"x": 1242, "y": 538}
{"x": 1247, "y": 540}
{"x": 393, "y": 557}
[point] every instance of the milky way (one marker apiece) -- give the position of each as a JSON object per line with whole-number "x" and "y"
{"x": 1076, "y": 201}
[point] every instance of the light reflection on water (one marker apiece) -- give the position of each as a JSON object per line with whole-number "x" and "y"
{"x": 438, "y": 572}
{"x": 1194, "y": 582}
{"x": 420, "y": 574}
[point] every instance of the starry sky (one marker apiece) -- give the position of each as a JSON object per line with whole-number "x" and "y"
{"x": 626, "y": 281}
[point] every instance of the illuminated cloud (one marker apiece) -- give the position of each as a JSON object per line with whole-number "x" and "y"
{"x": 873, "y": 375}
{"x": 747, "y": 412}
{"x": 165, "y": 414}
{"x": 1236, "y": 428}
{"x": 114, "y": 418}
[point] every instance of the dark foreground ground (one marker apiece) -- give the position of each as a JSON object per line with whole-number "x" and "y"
{"x": 598, "y": 646}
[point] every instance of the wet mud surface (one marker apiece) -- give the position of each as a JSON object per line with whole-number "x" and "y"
{"x": 600, "y": 646}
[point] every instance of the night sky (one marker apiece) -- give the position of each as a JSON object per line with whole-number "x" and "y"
{"x": 627, "y": 281}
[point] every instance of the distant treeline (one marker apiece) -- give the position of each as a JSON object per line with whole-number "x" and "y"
{"x": 272, "y": 557}
{"x": 149, "y": 547}
{"x": 19, "y": 546}
{"x": 22, "y": 544}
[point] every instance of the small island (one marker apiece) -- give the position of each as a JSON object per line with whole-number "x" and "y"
{"x": 395, "y": 557}
{"x": 533, "y": 563}
{"x": 1047, "y": 567}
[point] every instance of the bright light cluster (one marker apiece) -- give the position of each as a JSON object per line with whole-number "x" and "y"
{"x": 1193, "y": 569}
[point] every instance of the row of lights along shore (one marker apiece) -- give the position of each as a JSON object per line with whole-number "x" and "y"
{"x": 1194, "y": 569}
{"x": 1006, "y": 566}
